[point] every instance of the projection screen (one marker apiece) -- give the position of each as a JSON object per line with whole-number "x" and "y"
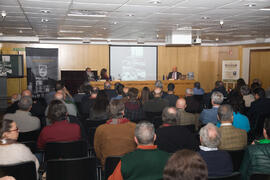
{"x": 133, "y": 63}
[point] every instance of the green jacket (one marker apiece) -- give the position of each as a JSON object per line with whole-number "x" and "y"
{"x": 256, "y": 160}
{"x": 144, "y": 164}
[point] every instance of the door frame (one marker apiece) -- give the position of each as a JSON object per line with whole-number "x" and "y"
{"x": 246, "y": 61}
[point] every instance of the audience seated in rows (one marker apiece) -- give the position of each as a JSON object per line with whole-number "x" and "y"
{"x": 219, "y": 86}
{"x": 171, "y": 137}
{"x": 23, "y": 118}
{"x": 257, "y": 155}
{"x": 171, "y": 97}
{"x": 88, "y": 101}
{"x": 119, "y": 91}
{"x": 99, "y": 111}
{"x": 110, "y": 92}
{"x": 194, "y": 102}
{"x": 185, "y": 165}
{"x": 232, "y": 138}
{"x": 218, "y": 162}
{"x": 210, "y": 115}
{"x": 197, "y": 90}
{"x": 82, "y": 91}
{"x": 133, "y": 107}
{"x": 239, "y": 120}
{"x": 158, "y": 84}
{"x": 248, "y": 97}
{"x": 60, "y": 129}
{"x": 260, "y": 105}
{"x": 146, "y": 162}
{"x": 145, "y": 95}
{"x": 115, "y": 138}
{"x": 71, "y": 108}
{"x": 59, "y": 85}
{"x": 11, "y": 151}
{"x": 157, "y": 104}
{"x": 37, "y": 107}
{"x": 185, "y": 117}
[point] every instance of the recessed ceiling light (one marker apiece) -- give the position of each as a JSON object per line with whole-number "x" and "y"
{"x": 104, "y": 28}
{"x": 20, "y": 31}
{"x": 250, "y": 4}
{"x": 130, "y": 15}
{"x": 1, "y": 34}
{"x": 44, "y": 20}
{"x": 70, "y": 31}
{"x": 45, "y": 11}
{"x": 3, "y": 13}
{"x": 88, "y": 15}
{"x": 155, "y": 1}
{"x": 217, "y": 39}
{"x": 205, "y": 17}
{"x": 115, "y": 22}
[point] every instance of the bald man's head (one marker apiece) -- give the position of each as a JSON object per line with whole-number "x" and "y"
{"x": 26, "y": 92}
{"x": 181, "y": 103}
{"x": 59, "y": 95}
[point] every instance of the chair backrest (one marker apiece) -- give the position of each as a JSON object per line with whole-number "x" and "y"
{"x": 233, "y": 176}
{"x": 20, "y": 171}
{"x": 72, "y": 169}
{"x": 32, "y": 145}
{"x": 110, "y": 164}
{"x": 91, "y": 129}
{"x": 256, "y": 176}
{"x": 70, "y": 149}
{"x": 190, "y": 127}
{"x": 28, "y": 136}
{"x": 237, "y": 157}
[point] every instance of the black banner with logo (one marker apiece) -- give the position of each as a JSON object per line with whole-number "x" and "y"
{"x": 42, "y": 70}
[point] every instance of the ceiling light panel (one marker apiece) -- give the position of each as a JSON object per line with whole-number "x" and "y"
{"x": 155, "y": 2}
{"x": 204, "y": 3}
{"x": 245, "y": 5}
{"x": 95, "y": 6}
{"x": 101, "y": 1}
{"x": 45, "y": 4}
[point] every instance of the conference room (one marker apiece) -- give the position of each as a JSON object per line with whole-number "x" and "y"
{"x": 137, "y": 42}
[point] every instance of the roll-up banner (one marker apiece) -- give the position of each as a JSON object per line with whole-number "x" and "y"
{"x": 42, "y": 70}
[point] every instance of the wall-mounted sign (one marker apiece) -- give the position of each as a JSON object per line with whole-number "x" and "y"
{"x": 230, "y": 69}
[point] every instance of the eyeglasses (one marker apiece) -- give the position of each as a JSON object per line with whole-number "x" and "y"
{"x": 14, "y": 130}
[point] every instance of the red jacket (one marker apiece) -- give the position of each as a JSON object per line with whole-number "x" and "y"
{"x": 59, "y": 131}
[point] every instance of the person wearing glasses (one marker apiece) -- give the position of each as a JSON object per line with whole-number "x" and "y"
{"x": 11, "y": 151}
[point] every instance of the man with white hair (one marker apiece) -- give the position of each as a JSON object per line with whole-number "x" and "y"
{"x": 146, "y": 162}
{"x": 210, "y": 115}
{"x": 23, "y": 118}
{"x": 218, "y": 162}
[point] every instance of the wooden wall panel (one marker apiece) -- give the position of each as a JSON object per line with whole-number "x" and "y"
{"x": 208, "y": 67}
{"x": 205, "y": 62}
{"x": 70, "y": 57}
{"x": 259, "y": 66}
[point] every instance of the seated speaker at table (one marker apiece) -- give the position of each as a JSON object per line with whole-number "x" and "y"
{"x": 174, "y": 74}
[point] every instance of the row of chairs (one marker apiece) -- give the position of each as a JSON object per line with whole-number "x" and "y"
{"x": 57, "y": 169}
{"x": 80, "y": 169}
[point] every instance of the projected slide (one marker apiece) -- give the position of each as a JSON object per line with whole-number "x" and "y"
{"x": 133, "y": 63}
